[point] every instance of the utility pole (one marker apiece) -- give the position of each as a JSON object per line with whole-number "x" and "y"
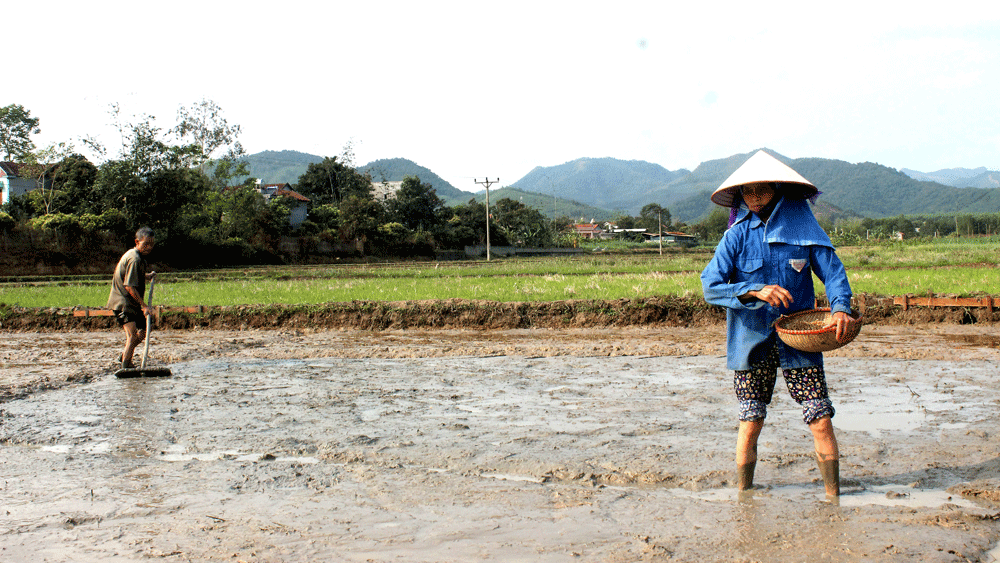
{"x": 487, "y": 182}
{"x": 659, "y": 222}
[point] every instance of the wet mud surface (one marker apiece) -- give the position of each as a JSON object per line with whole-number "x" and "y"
{"x": 520, "y": 445}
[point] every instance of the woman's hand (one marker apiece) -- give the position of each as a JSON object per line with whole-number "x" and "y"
{"x": 841, "y": 320}
{"x": 773, "y": 295}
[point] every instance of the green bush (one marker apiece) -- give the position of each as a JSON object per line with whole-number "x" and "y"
{"x": 112, "y": 220}
{"x": 62, "y": 223}
{"x": 308, "y": 229}
{"x": 7, "y": 222}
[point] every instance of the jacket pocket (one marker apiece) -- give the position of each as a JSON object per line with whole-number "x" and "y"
{"x": 749, "y": 265}
{"x": 796, "y": 274}
{"x": 749, "y": 269}
{"x": 799, "y": 264}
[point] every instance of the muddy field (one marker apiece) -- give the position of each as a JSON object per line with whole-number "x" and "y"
{"x": 581, "y": 444}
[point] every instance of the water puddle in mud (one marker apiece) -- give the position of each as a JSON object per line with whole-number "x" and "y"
{"x": 889, "y": 399}
{"x": 378, "y": 438}
{"x": 877, "y": 495}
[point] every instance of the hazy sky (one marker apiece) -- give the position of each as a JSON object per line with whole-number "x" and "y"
{"x": 474, "y": 89}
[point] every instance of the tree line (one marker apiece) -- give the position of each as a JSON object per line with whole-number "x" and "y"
{"x": 192, "y": 186}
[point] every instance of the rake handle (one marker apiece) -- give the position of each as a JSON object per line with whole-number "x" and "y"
{"x": 149, "y": 321}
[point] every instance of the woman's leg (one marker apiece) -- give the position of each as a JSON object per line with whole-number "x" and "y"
{"x": 808, "y": 387}
{"x": 746, "y": 452}
{"x": 827, "y": 454}
{"x": 754, "y": 388}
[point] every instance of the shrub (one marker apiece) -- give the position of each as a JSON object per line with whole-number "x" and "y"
{"x": 62, "y": 223}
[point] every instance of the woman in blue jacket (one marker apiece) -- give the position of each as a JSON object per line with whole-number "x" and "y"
{"x": 762, "y": 269}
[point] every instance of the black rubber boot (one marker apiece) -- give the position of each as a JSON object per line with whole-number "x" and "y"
{"x": 744, "y": 475}
{"x": 830, "y": 470}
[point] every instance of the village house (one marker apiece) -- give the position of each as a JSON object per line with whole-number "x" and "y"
{"x": 18, "y": 179}
{"x": 299, "y": 211}
{"x": 615, "y": 232}
{"x": 588, "y": 230}
{"x": 383, "y": 191}
{"x": 675, "y": 238}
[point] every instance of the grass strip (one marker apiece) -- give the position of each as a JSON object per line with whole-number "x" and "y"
{"x": 964, "y": 281}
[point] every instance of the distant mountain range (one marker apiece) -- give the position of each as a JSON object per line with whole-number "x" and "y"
{"x": 959, "y": 177}
{"x": 602, "y": 188}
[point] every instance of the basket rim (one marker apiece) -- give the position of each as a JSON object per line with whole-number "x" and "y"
{"x": 855, "y": 318}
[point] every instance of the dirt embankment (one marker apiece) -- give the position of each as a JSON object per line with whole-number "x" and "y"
{"x": 469, "y": 314}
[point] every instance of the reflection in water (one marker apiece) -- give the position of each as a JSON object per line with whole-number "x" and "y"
{"x": 765, "y": 520}
{"x": 134, "y": 410}
{"x": 745, "y": 514}
{"x": 138, "y": 421}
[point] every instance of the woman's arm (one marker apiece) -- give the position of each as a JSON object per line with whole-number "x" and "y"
{"x": 716, "y": 279}
{"x": 830, "y": 270}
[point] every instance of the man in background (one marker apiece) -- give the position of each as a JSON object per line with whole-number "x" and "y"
{"x": 128, "y": 286}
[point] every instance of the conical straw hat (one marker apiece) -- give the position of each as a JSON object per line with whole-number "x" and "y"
{"x": 762, "y": 167}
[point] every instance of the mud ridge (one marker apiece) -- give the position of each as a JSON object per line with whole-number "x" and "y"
{"x": 660, "y": 311}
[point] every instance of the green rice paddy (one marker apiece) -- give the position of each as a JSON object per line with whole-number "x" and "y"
{"x": 948, "y": 266}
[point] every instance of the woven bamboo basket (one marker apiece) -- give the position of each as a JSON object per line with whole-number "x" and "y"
{"x": 804, "y": 330}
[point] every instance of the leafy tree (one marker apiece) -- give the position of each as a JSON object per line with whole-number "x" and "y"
{"x": 143, "y": 150}
{"x": 75, "y": 177}
{"x": 224, "y": 172}
{"x": 626, "y": 222}
{"x": 165, "y": 196}
{"x": 149, "y": 181}
{"x": 417, "y": 206}
{"x": 7, "y": 222}
{"x": 16, "y": 128}
{"x": 209, "y": 132}
{"x": 360, "y": 219}
{"x": 279, "y": 210}
{"x": 19, "y": 207}
{"x": 522, "y": 225}
{"x": 116, "y": 180}
{"x": 903, "y": 225}
{"x": 332, "y": 181}
{"x": 652, "y": 215}
{"x": 562, "y": 224}
{"x": 467, "y": 226}
{"x": 159, "y": 199}
{"x": 714, "y": 226}
{"x": 327, "y": 217}
{"x": 42, "y": 164}
{"x": 393, "y": 238}
{"x": 248, "y": 218}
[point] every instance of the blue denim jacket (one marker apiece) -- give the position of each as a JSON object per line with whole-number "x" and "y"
{"x": 784, "y": 251}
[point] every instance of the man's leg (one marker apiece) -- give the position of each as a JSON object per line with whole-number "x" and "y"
{"x": 133, "y": 337}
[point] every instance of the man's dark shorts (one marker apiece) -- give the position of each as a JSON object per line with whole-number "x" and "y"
{"x": 125, "y": 317}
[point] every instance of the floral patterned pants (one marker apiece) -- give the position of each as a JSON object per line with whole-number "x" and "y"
{"x": 807, "y": 386}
